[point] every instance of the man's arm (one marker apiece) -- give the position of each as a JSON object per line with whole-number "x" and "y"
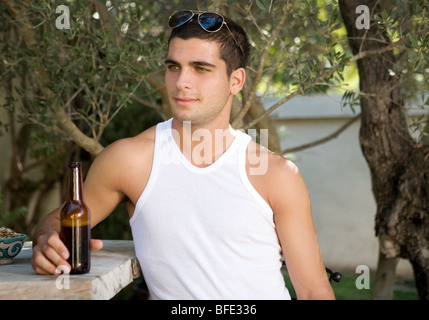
{"x": 290, "y": 201}
{"x": 101, "y": 195}
{"x": 120, "y": 172}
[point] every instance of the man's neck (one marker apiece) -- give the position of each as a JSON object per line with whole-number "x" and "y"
{"x": 202, "y": 145}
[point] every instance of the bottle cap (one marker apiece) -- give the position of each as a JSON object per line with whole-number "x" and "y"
{"x": 74, "y": 164}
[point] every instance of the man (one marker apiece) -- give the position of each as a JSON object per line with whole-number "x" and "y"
{"x": 208, "y": 221}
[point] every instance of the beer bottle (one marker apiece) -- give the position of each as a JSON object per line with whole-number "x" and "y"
{"x": 75, "y": 218}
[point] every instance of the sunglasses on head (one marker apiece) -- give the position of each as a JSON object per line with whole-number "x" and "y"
{"x": 209, "y": 21}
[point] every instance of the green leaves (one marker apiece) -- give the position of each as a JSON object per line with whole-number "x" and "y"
{"x": 264, "y": 5}
{"x": 351, "y": 99}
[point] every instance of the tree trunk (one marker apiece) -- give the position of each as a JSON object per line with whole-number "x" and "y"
{"x": 266, "y": 123}
{"x": 399, "y": 167}
{"x": 384, "y": 278}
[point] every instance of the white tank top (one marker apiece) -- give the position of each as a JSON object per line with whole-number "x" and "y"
{"x": 205, "y": 233}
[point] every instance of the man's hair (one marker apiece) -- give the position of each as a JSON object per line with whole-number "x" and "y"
{"x": 229, "y": 51}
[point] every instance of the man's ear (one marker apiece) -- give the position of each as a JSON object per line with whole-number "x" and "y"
{"x": 237, "y": 79}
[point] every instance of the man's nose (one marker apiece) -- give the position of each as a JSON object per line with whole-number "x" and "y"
{"x": 184, "y": 80}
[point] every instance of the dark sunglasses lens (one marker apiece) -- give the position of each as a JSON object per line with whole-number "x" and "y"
{"x": 210, "y": 21}
{"x": 179, "y": 18}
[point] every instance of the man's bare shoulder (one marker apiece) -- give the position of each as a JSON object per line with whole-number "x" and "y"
{"x": 127, "y": 154}
{"x": 140, "y": 144}
{"x": 128, "y": 151}
{"x": 272, "y": 163}
{"x": 288, "y": 188}
{"x": 274, "y": 176}
{"x": 124, "y": 166}
{"x": 280, "y": 165}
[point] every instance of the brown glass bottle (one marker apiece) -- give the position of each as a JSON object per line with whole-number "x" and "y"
{"x": 75, "y": 223}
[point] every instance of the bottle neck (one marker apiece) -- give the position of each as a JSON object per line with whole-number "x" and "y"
{"x": 75, "y": 183}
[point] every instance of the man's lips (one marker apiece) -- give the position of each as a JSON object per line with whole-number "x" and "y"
{"x": 185, "y": 101}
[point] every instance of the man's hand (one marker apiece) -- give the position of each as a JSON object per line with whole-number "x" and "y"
{"x": 50, "y": 252}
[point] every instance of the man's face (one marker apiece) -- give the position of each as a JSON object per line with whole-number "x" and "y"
{"x": 198, "y": 87}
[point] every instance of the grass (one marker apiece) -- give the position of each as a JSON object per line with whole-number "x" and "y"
{"x": 346, "y": 289}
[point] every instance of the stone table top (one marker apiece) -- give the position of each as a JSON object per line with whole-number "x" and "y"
{"x": 112, "y": 268}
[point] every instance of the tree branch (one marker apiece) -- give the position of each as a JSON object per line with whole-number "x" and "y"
{"x": 264, "y": 56}
{"x": 333, "y": 135}
{"x": 63, "y": 120}
{"x": 325, "y": 75}
{"x": 271, "y": 109}
{"x": 365, "y": 54}
{"x": 144, "y": 102}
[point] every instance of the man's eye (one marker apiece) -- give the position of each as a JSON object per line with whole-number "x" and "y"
{"x": 201, "y": 69}
{"x": 173, "y": 67}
